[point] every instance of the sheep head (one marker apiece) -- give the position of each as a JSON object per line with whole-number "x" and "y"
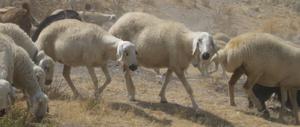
{"x": 40, "y": 74}
{"x": 39, "y": 105}
{"x": 127, "y": 54}
{"x": 203, "y": 47}
{"x": 47, "y": 64}
{"x": 7, "y": 96}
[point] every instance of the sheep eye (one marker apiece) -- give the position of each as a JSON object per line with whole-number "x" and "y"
{"x": 46, "y": 69}
{"x": 200, "y": 40}
{"x": 136, "y": 52}
{"x": 126, "y": 53}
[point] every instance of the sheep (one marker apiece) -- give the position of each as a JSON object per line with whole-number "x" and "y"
{"x": 17, "y": 69}
{"x": 221, "y": 36}
{"x": 204, "y": 65}
{"x": 60, "y": 15}
{"x": 7, "y": 96}
{"x": 162, "y": 43}
{"x": 96, "y": 17}
{"x": 75, "y": 43}
{"x": 20, "y": 16}
{"x": 92, "y": 16}
{"x": 220, "y": 40}
{"x": 239, "y": 56}
{"x": 23, "y": 40}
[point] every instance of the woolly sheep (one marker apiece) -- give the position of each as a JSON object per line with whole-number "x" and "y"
{"x": 162, "y": 43}
{"x": 75, "y": 43}
{"x": 17, "y": 69}
{"x": 92, "y": 16}
{"x": 7, "y": 96}
{"x": 251, "y": 53}
{"x": 24, "y": 41}
{"x": 60, "y": 15}
{"x": 220, "y": 40}
{"x": 20, "y": 16}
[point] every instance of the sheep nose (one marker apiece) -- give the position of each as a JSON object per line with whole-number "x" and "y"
{"x": 2, "y": 112}
{"x": 133, "y": 67}
{"x": 39, "y": 118}
{"x": 48, "y": 82}
{"x": 205, "y": 56}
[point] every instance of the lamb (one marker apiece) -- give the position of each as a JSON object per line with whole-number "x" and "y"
{"x": 162, "y": 43}
{"x": 239, "y": 56}
{"x": 17, "y": 69}
{"x": 75, "y": 43}
{"x": 60, "y": 15}
{"x": 7, "y": 95}
{"x": 23, "y": 40}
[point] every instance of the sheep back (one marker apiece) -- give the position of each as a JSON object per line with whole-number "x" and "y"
{"x": 262, "y": 53}
{"x": 19, "y": 37}
{"x": 73, "y": 42}
{"x": 164, "y": 45}
{"x": 131, "y": 24}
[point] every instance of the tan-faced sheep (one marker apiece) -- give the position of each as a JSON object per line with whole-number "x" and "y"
{"x": 21, "y": 39}
{"x": 7, "y": 96}
{"x": 20, "y": 16}
{"x": 18, "y": 69}
{"x": 254, "y": 52}
{"x": 75, "y": 43}
{"x": 163, "y": 44}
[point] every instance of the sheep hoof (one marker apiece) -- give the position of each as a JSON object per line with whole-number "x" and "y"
{"x": 78, "y": 96}
{"x": 265, "y": 114}
{"x": 232, "y": 104}
{"x": 131, "y": 98}
{"x": 163, "y": 101}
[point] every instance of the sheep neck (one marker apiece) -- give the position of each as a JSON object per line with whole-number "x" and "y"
{"x": 24, "y": 76}
{"x": 112, "y": 42}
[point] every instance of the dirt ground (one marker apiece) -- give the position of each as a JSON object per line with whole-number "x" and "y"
{"x": 233, "y": 17}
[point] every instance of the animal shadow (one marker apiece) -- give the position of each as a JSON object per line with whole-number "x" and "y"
{"x": 138, "y": 112}
{"x": 202, "y": 117}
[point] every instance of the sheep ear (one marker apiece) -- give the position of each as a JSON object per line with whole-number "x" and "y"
{"x": 195, "y": 46}
{"x": 120, "y": 51}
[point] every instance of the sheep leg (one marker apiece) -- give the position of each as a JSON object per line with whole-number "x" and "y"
{"x": 93, "y": 75}
{"x": 235, "y": 76}
{"x": 283, "y": 92}
{"x": 180, "y": 75}
{"x": 248, "y": 86}
{"x": 107, "y": 80}
{"x": 293, "y": 98}
{"x": 129, "y": 84}
{"x": 162, "y": 92}
{"x": 66, "y": 74}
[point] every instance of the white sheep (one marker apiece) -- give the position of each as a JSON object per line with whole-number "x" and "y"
{"x": 22, "y": 39}
{"x": 163, "y": 44}
{"x": 266, "y": 60}
{"x": 18, "y": 69}
{"x": 220, "y": 40}
{"x": 75, "y": 43}
{"x": 7, "y": 96}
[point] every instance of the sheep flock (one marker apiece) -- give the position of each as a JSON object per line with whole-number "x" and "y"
{"x": 137, "y": 41}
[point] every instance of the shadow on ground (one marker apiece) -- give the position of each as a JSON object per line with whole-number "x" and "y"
{"x": 138, "y": 112}
{"x": 203, "y": 117}
{"x": 271, "y": 118}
